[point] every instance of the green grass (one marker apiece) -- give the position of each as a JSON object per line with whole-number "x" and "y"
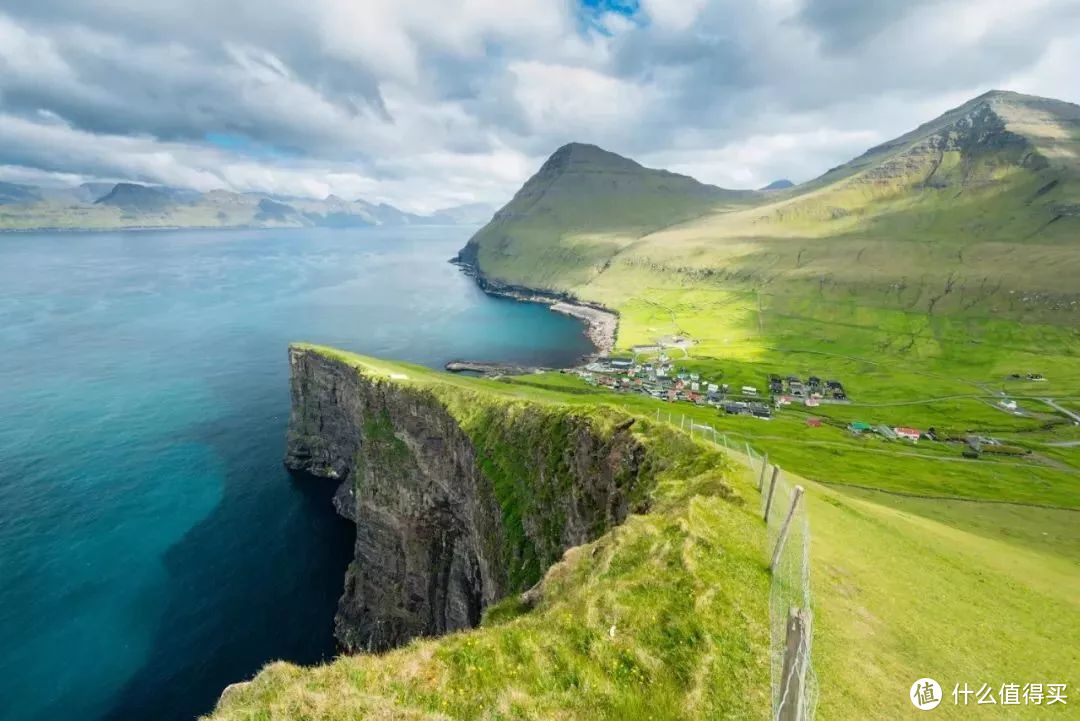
{"x": 663, "y": 617}
{"x": 960, "y": 593}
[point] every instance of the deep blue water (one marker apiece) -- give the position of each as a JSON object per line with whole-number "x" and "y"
{"x": 152, "y": 548}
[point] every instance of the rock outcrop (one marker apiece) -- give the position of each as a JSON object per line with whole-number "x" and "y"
{"x": 457, "y": 502}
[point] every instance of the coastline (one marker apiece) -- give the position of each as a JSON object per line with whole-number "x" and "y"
{"x": 601, "y": 323}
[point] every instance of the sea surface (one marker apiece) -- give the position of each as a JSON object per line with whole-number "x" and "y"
{"x": 152, "y": 547}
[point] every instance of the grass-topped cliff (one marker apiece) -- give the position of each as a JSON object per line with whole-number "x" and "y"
{"x": 663, "y": 616}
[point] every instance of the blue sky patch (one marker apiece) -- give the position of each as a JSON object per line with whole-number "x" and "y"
{"x": 243, "y": 145}
{"x": 593, "y": 10}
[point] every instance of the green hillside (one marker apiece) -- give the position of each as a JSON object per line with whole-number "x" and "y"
{"x": 931, "y": 275}
{"x": 978, "y": 210}
{"x": 584, "y": 206}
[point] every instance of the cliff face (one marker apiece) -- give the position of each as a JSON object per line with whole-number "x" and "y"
{"x": 457, "y": 502}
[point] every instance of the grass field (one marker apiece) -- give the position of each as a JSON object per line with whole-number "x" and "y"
{"x": 925, "y": 563}
{"x": 964, "y": 591}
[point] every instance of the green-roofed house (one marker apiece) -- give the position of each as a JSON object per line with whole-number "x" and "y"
{"x": 859, "y": 427}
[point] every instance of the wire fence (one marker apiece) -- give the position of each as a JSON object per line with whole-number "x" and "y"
{"x": 787, "y": 551}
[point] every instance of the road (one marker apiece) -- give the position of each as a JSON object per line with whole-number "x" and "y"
{"x": 1050, "y": 402}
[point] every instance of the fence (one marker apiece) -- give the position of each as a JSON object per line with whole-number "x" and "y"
{"x": 787, "y": 550}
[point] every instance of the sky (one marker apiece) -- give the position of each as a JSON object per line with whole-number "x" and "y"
{"x": 432, "y": 103}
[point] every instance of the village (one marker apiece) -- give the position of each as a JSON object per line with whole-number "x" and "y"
{"x": 661, "y": 378}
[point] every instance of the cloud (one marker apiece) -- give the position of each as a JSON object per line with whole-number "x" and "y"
{"x": 427, "y": 102}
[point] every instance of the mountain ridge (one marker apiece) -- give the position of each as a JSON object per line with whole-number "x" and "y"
{"x": 93, "y": 206}
{"x": 946, "y": 207}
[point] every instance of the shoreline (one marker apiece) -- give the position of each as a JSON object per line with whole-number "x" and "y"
{"x": 601, "y": 324}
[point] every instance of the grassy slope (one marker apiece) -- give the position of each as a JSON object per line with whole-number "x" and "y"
{"x": 904, "y": 586}
{"x": 920, "y": 556}
{"x": 662, "y": 618}
{"x": 592, "y": 204}
{"x": 976, "y": 213}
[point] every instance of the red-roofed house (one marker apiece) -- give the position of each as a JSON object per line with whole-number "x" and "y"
{"x": 911, "y": 434}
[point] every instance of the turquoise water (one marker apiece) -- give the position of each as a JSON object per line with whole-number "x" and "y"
{"x": 152, "y": 548}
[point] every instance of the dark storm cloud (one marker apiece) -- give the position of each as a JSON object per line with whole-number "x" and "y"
{"x": 845, "y": 25}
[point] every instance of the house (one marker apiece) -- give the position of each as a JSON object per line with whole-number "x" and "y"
{"x": 858, "y": 427}
{"x": 812, "y": 402}
{"x": 713, "y": 388}
{"x": 749, "y": 390}
{"x": 695, "y": 386}
{"x": 760, "y": 411}
{"x": 783, "y": 401}
{"x": 813, "y": 422}
{"x": 910, "y": 434}
{"x": 672, "y": 395}
{"x": 695, "y": 377}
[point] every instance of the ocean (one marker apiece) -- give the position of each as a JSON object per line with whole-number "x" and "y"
{"x": 152, "y": 547}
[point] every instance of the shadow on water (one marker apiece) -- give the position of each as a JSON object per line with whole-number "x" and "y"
{"x": 257, "y": 580}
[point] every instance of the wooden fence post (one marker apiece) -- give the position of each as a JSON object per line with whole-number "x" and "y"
{"x": 785, "y": 528}
{"x": 772, "y": 487}
{"x": 793, "y": 675}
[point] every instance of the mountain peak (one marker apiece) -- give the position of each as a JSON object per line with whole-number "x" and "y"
{"x": 581, "y": 155}
{"x": 132, "y": 197}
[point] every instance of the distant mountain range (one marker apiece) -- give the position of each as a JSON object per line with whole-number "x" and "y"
{"x": 94, "y": 206}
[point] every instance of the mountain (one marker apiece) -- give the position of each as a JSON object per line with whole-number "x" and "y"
{"x": 582, "y": 207}
{"x": 136, "y": 198}
{"x": 467, "y": 214}
{"x": 782, "y": 184}
{"x": 12, "y": 193}
{"x": 976, "y": 209}
{"x": 133, "y": 205}
{"x": 90, "y": 192}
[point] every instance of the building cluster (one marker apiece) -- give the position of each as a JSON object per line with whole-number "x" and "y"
{"x": 659, "y": 379}
{"x": 890, "y": 433}
{"x": 812, "y": 392}
{"x": 662, "y": 379}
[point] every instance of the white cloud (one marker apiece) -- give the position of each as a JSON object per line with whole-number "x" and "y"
{"x": 420, "y": 102}
{"x": 566, "y": 99}
{"x": 673, "y": 15}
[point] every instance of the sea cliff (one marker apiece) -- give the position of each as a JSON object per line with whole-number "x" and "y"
{"x": 470, "y": 496}
{"x": 457, "y": 503}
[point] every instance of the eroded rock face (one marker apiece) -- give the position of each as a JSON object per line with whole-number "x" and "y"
{"x": 438, "y": 538}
